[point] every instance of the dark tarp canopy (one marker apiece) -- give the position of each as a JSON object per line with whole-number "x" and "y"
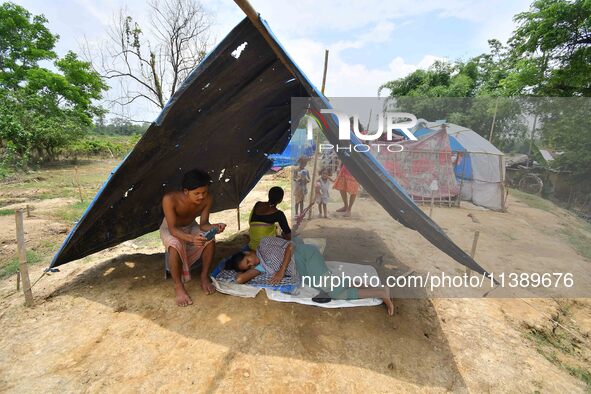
{"x": 228, "y": 116}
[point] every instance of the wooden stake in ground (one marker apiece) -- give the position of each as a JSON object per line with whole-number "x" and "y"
{"x": 238, "y": 216}
{"x": 313, "y": 185}
{"x": 473, "y": 251}
{"x": 22, "y": 257}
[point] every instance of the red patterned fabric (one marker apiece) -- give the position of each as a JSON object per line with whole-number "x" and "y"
{"x": 422, "y": 162}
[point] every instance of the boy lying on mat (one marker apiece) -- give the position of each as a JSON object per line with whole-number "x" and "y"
{"x": 284, "y": 261}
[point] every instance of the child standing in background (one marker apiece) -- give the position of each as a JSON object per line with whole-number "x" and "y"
{"x": 323, "y": 191}
{"x": 346, "y": 184}
{"x": 301, "y": 179}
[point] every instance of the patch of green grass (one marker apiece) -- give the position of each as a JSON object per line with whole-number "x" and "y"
{"x": 581, "y": 374}
{"x": 59, "y": 179}
{"x": 6, "y": 212}
{"x": 73, "y": 212}
{"x": 557, "y": 347}
{"x": 578, "y": 240}
{"x": 149, "y": 240}
{"x": 9, "y": 269}
{"x": 578, "y": 234}
{"x": 4, "y": 171}
{"x": 12, "y": 266}
{"x": 553, "y": 340}
{"x": 577, "y": 372}
{"x": 533, "y": 201}
{"x": 47, "y": 248}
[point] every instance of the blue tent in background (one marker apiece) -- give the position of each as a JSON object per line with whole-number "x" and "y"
{"x": 298, "y": 146}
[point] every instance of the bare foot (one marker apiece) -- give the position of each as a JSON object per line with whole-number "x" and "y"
{"x": 182, "y": 298}
{"x": 347, "y": 214}
{"x": 207, "y": 286}
{"x": 326, "y": 216}
{"x": 389, "y": 305}
{"x": 343, "y": 209}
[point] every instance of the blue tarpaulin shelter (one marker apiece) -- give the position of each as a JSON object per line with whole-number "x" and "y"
{"x": 298, "y": 146}
{"x": 230, "y": 114}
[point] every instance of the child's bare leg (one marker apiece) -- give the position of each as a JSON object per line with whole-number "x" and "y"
{"x": 345, "y": 205}
{"x": 319, "y": 209}
{"x": 350, "y": 205}
{"x": 325, "y": 210}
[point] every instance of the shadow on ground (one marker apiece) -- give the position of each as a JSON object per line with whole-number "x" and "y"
{"x": 410, "y": 346}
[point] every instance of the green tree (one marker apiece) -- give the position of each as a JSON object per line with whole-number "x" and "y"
{"x": 41, "y": 110}
{"x": 549, "y": 54}
{"x": 120, "y": 126}
{"x": 551, "y": 50}
{"x": 24, "y": 41}
{"x": 464, "y": 92}
{"x": 567, "y": 129}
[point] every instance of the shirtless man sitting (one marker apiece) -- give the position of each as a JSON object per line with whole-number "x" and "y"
{"x": 183, "y": 237}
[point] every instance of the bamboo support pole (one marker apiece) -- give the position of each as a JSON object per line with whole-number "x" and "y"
{"x": 313, "y": 184}
{"x": 22, "y": 258}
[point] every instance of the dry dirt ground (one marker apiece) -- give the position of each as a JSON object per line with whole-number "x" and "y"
{"x": 109, "y": 322}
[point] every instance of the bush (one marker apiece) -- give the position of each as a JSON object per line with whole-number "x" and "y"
{"x": 101, "y": 145}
